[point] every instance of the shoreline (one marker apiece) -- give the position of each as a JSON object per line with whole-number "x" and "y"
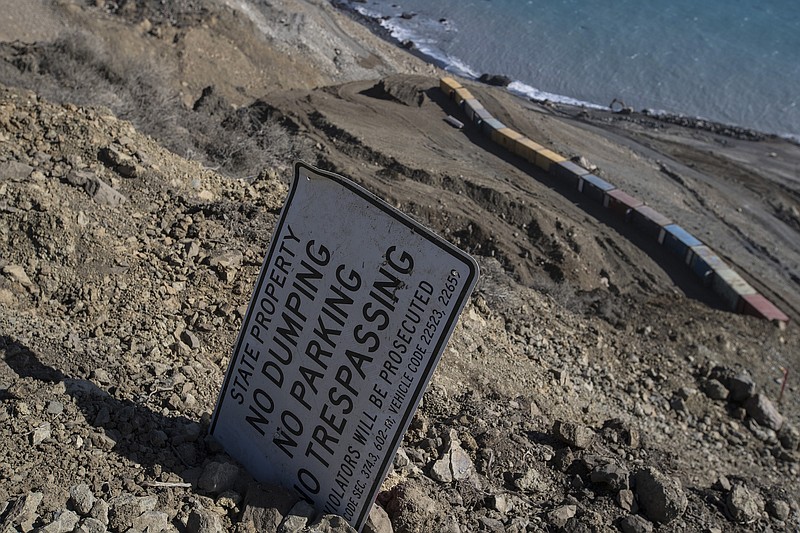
{"x": 699, "y": 123}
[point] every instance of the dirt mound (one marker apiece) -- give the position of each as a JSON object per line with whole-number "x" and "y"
{"x": 397, "y": 90}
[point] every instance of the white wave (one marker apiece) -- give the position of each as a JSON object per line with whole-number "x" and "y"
{"x": 523, "y": 89}
{"x": 424, "y": 45}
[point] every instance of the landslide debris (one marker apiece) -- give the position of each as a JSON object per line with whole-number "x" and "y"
{"x": 125, "y": 270}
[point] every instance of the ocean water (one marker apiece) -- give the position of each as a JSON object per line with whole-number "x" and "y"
{"x": 730, "y": 61}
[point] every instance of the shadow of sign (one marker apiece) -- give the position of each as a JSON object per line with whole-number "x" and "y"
{"x": 159, "y": 443}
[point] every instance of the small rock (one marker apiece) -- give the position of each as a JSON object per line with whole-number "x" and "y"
{"x": 120, "y": 162}
{"x": 265, "y": 507}
{"x": 686, "y": 392}
{"x": 229, "y": 499}
{"x": 613, "y": 476}
{"x": 529, "y": 482}
{"x": 490, "y": 525}
{"x": 789, "y": 437}
{"x": 723, "y": 484}
{"x": 101, "y": 376}
{"x": 563, "y": 459}
{"x": 226, "y": 263}
{"x": 627, "y": 501}
{"x": 762, "y": 433}
{"x": 218, "y": 477}
{"x": 561, "y": 515}
{"x": 497, "y": 80}
{"x": 103, "y": 193}
{"x": 378, "y": 521}
{"x": 632, "y": 437}
{"x": 154, "y": 521}
{"x": 715, "y": 390}
{"x": 15, "y": 171}
{"x": 81, "y": 498}
{"x": 192, "y": 249}
{"x": 91, "y": 525}
{"x": 64, "y": 522}
{"x": 190, "y": 339}
{"x": 204, "y": 521}
{"x": 761, "y": 409}
{"x": 661, "y": 497}
{"x": 299, "y": 516}
{"x": 331, "y": 524}
{"x": 677, "y": 404}
{"x": 460, "y": 463}
{"x": 500, "y": 503}
{"x": 17, "y": 273}
{"x": 454, "y": 464}
{"x": 779, "y": 509}
{"x": 401, "y": 459}
{"x": 440, "y": 471}
{"x": 742, "y": 505}
{"x": 112, "y": 156}
{"x": 635, "y": 524}
{"x": 100, "y": 511}
{"x": 54, "y": 407}
{"x": 591, "y": 167}
{"x": 741, "y": 388}
{"x": 7, "y": 298}
{"x": 24, "y": 511}
{"x": 40, "y": 434}
{"x": 231, "y": 259}
{"x": 574, "y": 435}
{"x": 125, "y": 508}
{"x": 79, "y": 178}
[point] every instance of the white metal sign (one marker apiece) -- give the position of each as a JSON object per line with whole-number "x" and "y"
{"x": 351, "y": 312}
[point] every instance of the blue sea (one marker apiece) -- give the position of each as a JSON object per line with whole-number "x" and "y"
{"x": 730, "y": 61}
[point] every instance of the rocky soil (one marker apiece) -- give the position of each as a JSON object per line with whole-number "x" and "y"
{"x": 587, "y": 387}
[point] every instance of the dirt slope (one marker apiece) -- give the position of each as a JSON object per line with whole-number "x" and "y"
{"x": 588, "y": 386}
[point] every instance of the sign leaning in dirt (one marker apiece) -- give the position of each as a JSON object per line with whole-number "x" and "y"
{"x": 351, "y": 312}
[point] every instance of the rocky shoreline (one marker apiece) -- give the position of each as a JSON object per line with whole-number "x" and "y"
{"x": 498, "y": 79}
